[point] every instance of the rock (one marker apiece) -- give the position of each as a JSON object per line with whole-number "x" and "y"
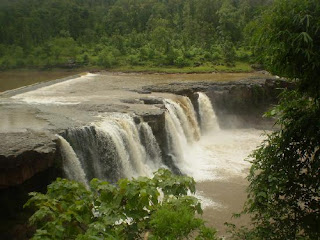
{"x": 152, "y": 100}
{"x": 237, "y": 103}
{"x": 25, "y": 154}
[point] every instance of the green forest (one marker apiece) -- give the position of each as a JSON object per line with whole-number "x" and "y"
{"x": 115, "y": 33}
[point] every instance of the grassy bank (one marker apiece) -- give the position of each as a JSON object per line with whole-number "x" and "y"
{"x": 206, "y": 68}
{"x": 238, "y": 67}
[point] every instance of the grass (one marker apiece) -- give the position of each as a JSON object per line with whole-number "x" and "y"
{"x": 239, "y": 67}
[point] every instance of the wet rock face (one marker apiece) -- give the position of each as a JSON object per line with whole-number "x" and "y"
{"x": 25, "y": 154}
{"x": 243, "y": 105}
{"x": 237, "y": 104}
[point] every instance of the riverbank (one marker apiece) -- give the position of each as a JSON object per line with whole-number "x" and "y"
{"x": 239, "y": 67}
{"x": 16, "y": 78}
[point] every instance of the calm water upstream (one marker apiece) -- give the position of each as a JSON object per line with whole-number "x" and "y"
{"x": 19, "y": 78}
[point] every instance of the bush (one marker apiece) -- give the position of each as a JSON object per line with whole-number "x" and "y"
{"x": 229, "y": 53}
{"x": 288, "y": 42}
{"x": 181, "y": 62}
{"x": 134, "y": 60}
{"x": 243, "y": 55}
{"x": 106, "y": 59}
{"x": 126, "y": 210}
{"x": 215, "y": 55}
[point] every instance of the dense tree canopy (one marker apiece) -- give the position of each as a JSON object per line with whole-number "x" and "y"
{"x": 115, "y": 32}
{"x": 288, "y": 40}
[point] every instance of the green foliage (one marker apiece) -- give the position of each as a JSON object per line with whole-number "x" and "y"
{"x": 181, "y": 62}
{"x": 106, "y": 59}
{"x": 284, "y": 194}
{"x": 145, "y": 32}
{"x": 229, "y": 53}
{"x": 288, "y": 41}
{"x": 130, "y": 209}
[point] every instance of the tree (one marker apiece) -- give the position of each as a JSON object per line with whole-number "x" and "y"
{"x": 228, "y": 23}
{"x": 156, "y": 208}
{"x": 169, "y": 27}
{"x": 284, "y": 192}
{"x": 288, "y": 40}
{"x": 284, "y": 177}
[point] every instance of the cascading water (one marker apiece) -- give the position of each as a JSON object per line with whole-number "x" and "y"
{"x": 125, "y": 134}
{"x": 191, "y": 115}
{"x": 98, "y": 153}
{"x": 175, "y": 142}
{"x": 71, "y": 164}
{"x": 154, "y": 158}
{"x": 180, "y": 121}
{"x": 118, "y": 147}
{"x": 208, "y": 118}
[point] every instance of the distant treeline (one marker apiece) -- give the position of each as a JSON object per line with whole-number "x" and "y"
{"x": 108, "y": 33}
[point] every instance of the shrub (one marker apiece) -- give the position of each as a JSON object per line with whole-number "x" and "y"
{"x": 126, "y": 210}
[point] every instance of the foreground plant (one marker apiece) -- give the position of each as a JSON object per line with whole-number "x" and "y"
{"x": 142, "y": 208}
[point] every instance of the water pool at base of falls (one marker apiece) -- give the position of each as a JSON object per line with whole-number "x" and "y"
{"x": 117, "y": 146}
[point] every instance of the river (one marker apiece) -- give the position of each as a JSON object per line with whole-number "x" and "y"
{"x": 19, "y": 78}
{"x": 215, "y": 157}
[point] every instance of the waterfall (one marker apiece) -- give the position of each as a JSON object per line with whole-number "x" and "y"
{"x": 123, "y": 146}
{"x": 191, "y": 115}
{"x": 70, "y": 163}
{"x": 116, "y": 147}
{"x": 97, "y": 153}
{"x": 125, "y": 134}
{"x": 175, "y": 139}
{"x": 151, "y": 145}
{"x": 180, "y": 120}
{"x": 208, "y": 119}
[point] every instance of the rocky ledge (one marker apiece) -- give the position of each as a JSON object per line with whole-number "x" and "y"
{"x": 23, "y": 155}
{"x": 236, "y": 103}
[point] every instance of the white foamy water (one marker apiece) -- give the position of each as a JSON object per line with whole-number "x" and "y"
{"x": 218, "y": 154}
{"x": 70, "y": 162}
{"x": 208, "y": 118}
{"x": 207, "y": 202}
{"x": 48, "y": 94}
{"x": 221, "y": 155}
{"x": 125, "y": 136}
